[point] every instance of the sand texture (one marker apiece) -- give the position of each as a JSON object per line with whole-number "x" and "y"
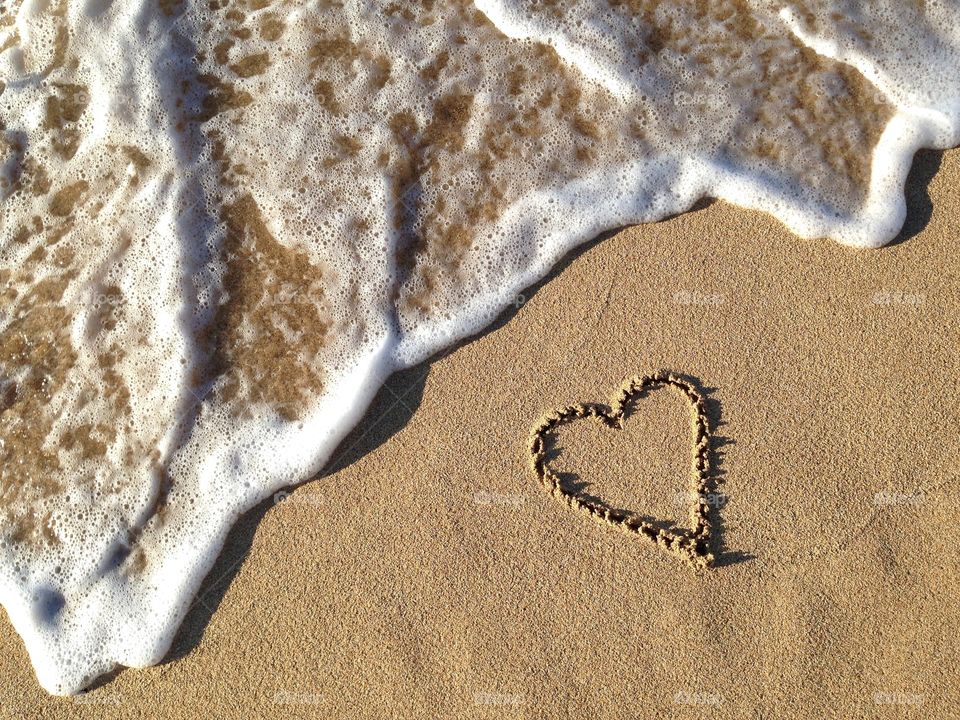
{"x": 429, "y": 574}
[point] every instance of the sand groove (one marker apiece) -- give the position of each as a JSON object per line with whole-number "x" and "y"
{"x": 692, "y": 544}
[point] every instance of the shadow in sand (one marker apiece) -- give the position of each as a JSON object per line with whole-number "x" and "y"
{"x": 716, "y": 497}
{"x": 389, "y": 412}
{"x": 215, "y": 585}
{"x": 926, "y": 164}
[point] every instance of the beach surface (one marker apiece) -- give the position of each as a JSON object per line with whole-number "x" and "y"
{"x": 428, "y": 574}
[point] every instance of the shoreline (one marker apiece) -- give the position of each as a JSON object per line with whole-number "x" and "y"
{"x": 384, "y": 587}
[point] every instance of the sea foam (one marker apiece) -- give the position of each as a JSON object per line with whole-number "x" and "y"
{"x": 224, "y": 225}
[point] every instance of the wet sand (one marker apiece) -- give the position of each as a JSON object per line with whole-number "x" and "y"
{"x": 429, "y": 575}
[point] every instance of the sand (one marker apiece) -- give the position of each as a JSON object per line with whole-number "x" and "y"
{"x": 429, "y": 575}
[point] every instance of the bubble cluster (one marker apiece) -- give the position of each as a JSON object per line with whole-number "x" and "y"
{"x": 223, "y": 224}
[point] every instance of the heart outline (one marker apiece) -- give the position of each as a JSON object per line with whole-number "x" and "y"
{"x": 691, "y": 544}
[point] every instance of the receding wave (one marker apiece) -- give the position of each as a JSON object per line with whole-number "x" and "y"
{"x": 223, "y": 224}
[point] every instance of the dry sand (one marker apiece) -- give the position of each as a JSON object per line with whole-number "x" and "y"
{"x": 430, "y": 576}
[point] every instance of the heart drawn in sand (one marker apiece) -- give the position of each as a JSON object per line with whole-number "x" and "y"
{"x": 692, "y": 544}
